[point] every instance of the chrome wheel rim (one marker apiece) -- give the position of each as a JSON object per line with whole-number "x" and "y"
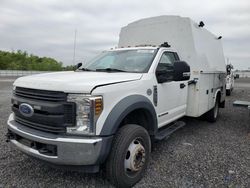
{"x": 135, "y": 157}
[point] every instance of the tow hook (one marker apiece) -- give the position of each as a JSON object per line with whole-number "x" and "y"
{"x": 43, "y": 151}
{"x": 9, "y": 136}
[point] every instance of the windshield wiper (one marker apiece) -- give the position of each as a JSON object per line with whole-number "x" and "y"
{"x": 111, "y": 70}
{"x": 85, "y": 69}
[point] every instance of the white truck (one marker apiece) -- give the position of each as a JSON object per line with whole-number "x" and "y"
{"x": 229, "y": 79}
{"x": 109, "y": 112}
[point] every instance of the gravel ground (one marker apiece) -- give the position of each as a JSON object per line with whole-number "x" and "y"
{"x": 199, "y": 155}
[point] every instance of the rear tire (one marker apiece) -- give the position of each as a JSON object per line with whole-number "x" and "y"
{"x": 129, "y": 156}
{"x": 212, "y": 115}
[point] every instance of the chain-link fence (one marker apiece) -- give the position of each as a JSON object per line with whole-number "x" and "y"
{"x": 243, "y": 74}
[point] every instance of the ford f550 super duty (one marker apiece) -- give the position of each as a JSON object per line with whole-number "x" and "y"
{"x": 110, "y": 110}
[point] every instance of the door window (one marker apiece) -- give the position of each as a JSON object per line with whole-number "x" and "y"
{"x": 168, "y": 58}
{"x": 166, "y": 64}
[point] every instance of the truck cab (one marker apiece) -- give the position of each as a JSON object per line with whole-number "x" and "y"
{"x": 109, "y": 111}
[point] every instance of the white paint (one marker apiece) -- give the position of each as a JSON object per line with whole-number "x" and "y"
{"x": 73, "y": 82}
{"x": 230, "y": 81}
{"x": 195, "y": 45}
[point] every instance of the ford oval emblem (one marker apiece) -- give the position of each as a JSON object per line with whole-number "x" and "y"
{"x": 26, "y": 110}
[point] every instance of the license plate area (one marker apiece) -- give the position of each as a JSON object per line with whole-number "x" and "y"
{"x": 45, "y": 149}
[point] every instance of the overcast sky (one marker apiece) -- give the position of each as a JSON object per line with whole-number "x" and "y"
{"x": 46, "y": 27}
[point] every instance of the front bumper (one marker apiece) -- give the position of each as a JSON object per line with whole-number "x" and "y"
{"x": 70, "y": 150}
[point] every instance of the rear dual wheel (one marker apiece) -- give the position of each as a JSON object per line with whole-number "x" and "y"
{"x": 228, "y": 92}
{"x": 212, "y": 115}
{"x": 129, "y": 156}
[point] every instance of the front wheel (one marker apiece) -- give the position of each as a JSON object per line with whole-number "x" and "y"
{"x": 129, "y": 156}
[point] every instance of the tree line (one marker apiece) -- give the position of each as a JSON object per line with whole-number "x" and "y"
{"x": 21, "y": 60}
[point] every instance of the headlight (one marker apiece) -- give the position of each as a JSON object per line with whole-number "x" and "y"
{"x": 88, "y": 109}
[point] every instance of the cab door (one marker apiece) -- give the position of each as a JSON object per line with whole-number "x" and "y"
{"x": 172, "y": 95}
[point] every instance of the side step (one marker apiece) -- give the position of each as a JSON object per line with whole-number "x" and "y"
{"x": 166, "y": 132}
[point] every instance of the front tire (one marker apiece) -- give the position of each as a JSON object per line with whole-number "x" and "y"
{"x": 129, "y": 156}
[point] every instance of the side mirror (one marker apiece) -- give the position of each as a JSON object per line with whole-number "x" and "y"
{"x": 181, "y": 71}
{"x": 162, "y": 76}
{"x": 78, "y": 65}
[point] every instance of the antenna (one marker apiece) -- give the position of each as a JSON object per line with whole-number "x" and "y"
{"x": 165, "y": 44}
{"x": 201, "y": 24}
{"x": 74, "y": 49}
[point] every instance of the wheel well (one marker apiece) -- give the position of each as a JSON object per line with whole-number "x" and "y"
{"x": 140, "y": 117}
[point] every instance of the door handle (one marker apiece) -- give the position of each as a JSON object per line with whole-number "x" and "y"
{"x": 182, "y": 85}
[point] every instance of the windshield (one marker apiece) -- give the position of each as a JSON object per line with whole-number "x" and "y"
{"x": 138, "y": 60}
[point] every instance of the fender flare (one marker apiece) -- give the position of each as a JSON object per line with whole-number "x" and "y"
{"x": 123, "y": 108}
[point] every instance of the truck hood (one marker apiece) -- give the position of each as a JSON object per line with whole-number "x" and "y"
{"x": 74, "y": 82}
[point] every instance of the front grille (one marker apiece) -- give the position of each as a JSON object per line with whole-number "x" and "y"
{"x": 40, "y": 94}
{"x": 52, "y": 112}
